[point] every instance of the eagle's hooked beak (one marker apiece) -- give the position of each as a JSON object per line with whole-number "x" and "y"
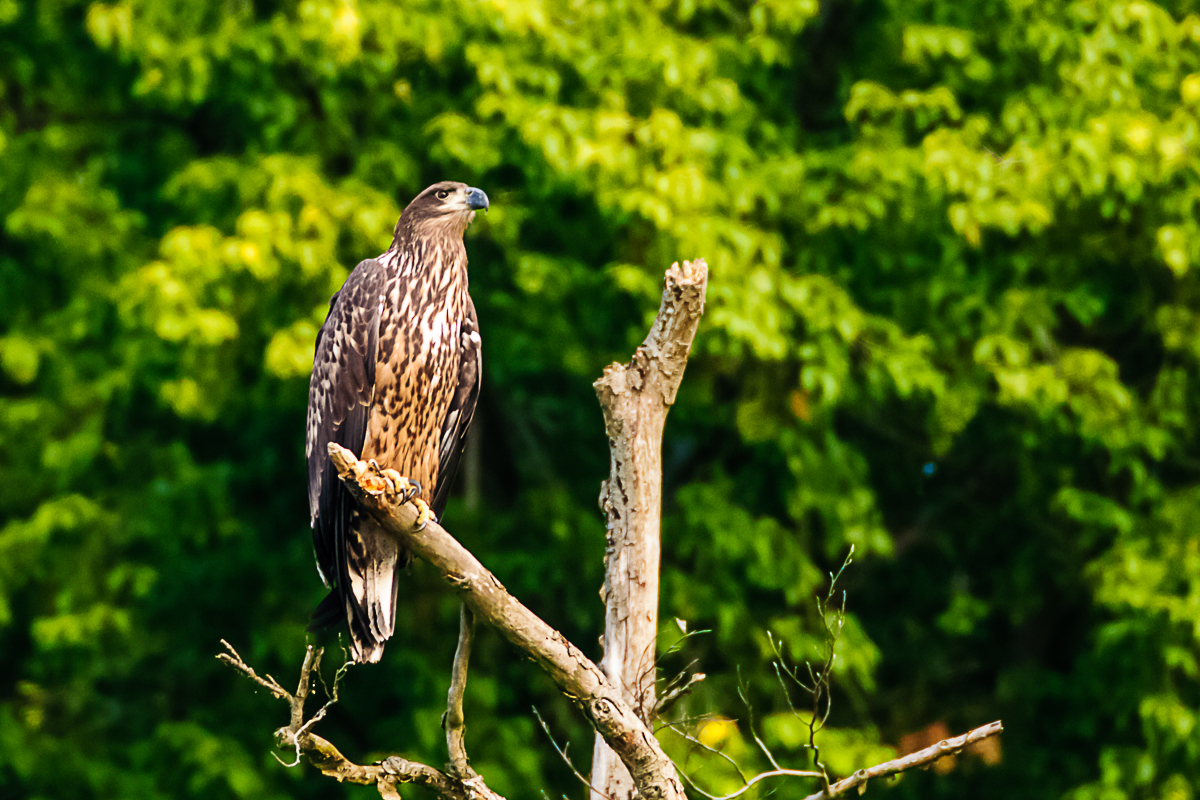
{"x": 476, "y": 199}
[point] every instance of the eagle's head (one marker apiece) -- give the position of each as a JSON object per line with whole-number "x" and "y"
{"x": 446, "y": 206}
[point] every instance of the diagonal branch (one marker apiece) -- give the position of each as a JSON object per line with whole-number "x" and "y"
{"x": 574, "y": 674}
{"x": 562, "y": 751}
{"x": 920, "y": 758}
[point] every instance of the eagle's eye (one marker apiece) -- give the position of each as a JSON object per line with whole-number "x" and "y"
{"x": 443, "y": 194}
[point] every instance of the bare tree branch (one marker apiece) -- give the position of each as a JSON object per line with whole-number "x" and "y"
{"x": 453, "y": 721}
{"x": 859, "y": 779}
{"x": 576, "y": 676}
{"x": 319, "y": 752}
{"x": 270, "y": 684}
{"x": 635, "y": 398}
{"x": 920, "y": 758}
{"x": 818, "y": 686}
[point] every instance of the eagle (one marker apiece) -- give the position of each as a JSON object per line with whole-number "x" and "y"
{"x": 395, "y": 379}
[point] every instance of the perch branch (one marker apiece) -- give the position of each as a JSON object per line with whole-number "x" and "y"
{"x": 635, "y": 398}
{"x": 453, "y": 721}
{"x": 575, "y": 675}
{"x": 385, "y": 776}
{"x": 920, "y": 758}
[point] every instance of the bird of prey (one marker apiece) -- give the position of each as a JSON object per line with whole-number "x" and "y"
{"x": 395, "y": 379}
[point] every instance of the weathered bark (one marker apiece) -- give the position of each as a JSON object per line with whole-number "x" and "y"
{"x": 635, "y": 398}
{"x": 575, "y": 675}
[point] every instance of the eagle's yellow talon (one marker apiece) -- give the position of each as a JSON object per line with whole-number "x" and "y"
{"x": 407, "y": 488}
{"x": 424, "y": 513}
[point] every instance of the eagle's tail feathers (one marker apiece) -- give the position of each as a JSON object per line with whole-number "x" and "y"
{"x": 373, "y": 562}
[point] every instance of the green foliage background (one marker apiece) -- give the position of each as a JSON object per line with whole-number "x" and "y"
{"x": 953, "y": 321}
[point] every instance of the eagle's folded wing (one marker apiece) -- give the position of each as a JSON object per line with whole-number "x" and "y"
{"x": 339, "y": 399}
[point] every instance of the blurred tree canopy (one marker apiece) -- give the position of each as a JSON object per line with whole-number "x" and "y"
{"x": 953, "y": 321}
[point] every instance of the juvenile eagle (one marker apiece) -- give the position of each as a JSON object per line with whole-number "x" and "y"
{"x": 395, "y": 378}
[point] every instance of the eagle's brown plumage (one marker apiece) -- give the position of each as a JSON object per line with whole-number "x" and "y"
{"x": 395, "y": 378}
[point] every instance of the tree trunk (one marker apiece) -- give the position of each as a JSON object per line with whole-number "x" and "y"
{"x": 635, "y": 399}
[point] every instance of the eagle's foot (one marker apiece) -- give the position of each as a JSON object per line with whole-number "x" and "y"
{"x": 406, "y": 488}
{"x": 424, "y": 513}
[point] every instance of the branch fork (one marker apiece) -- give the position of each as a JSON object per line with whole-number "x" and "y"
{"x": 386, "y": 775}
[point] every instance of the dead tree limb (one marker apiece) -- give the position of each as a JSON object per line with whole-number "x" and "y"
{"x": 601, "y": 700}
{"x": 920, "y": 758}
{"x": 635, "y": 398}
{"x": 319, "y": 752}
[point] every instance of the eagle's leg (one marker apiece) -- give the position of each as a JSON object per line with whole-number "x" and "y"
{"x": 409, "y": 491}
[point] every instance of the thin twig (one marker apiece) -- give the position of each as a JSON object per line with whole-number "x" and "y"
{"x": 331, "y": 692}
{"x": 672, "y": 695}
{"x": 819, "y": 678}
{"x": 687, "y": 721}
{"x": 679, "y": 679}
{"x": 674, "y": 648}
{"x": 312, "y": 660}
{"x": 859, "y": 779}
{"x": 562, "y": 752}
{"x": 741, "y": 690}
{"x": 678, "y": 732}
{"x": 682, "y": 683}
{"x": 233, "y": 659}
{"x": 762, "y": 776}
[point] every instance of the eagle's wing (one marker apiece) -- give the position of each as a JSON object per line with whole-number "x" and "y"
{"x": 453, "y": 436}
{"x": 339, "y": 401}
